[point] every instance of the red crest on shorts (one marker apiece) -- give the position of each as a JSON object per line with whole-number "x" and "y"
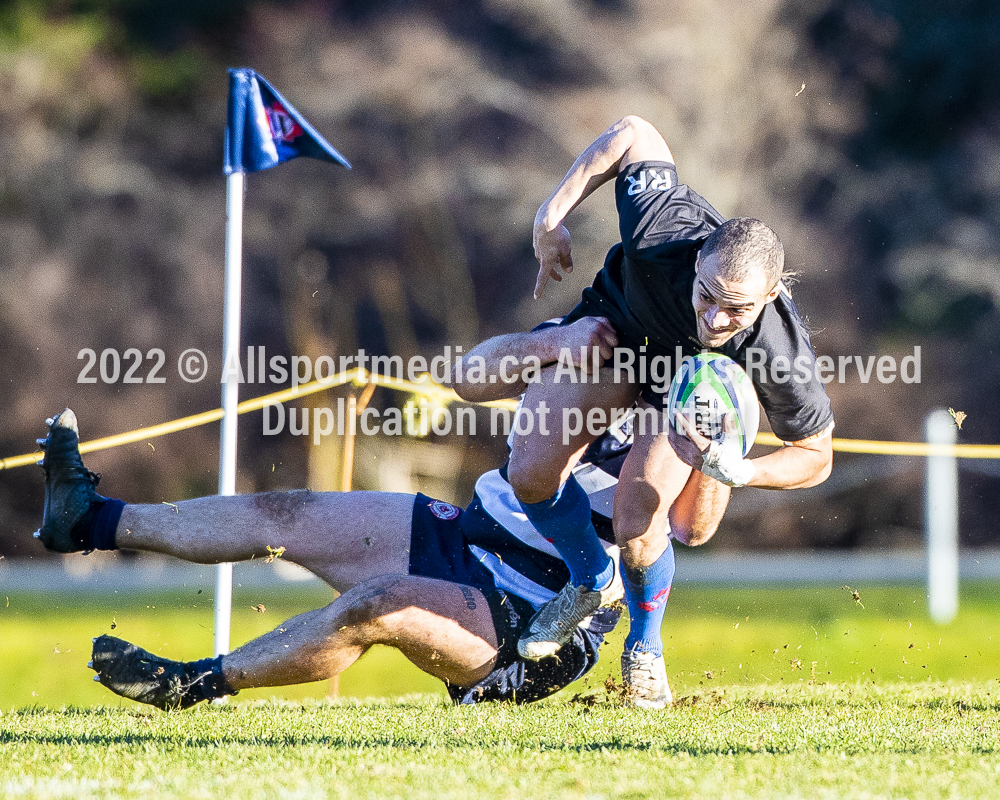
{"x": 443, "y": 510}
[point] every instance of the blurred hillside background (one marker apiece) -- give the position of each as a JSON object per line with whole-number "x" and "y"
{"x": 866, "y": 132}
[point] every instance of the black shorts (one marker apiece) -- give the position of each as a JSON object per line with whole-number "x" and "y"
{"x": 438, "y": 550}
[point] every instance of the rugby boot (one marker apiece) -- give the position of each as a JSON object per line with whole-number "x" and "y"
{"x": 645, "y": 679}
{"x": 136, "y": 674}
{"x": 70, "y": 487}
{"x": 554, "y": 623}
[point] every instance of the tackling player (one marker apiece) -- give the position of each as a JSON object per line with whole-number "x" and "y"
{"x": 452, "y": 589}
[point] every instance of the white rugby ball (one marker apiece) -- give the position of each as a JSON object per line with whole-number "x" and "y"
{"x": 707, "y": 388}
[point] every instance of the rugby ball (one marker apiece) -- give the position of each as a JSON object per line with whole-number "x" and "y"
{"x": 707, "y": 388}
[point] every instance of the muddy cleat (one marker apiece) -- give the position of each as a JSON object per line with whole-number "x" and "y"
{"x": 645, "y": 679}
{"x": 70, "y": 487}
{"x": 136, "y": 674}
{"x": 554, "y": 623}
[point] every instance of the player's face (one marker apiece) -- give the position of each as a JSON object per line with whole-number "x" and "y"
{"x": 723, "y": 308}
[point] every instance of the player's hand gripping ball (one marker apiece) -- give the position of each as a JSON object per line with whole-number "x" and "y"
{"x": 716, "y": 396}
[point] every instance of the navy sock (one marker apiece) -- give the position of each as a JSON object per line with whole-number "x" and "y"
{"x": 646, "y": 593}
{"x": 97, "y": 527}
{"x": 206, "y": 679}
{"x": 565, "y": 521}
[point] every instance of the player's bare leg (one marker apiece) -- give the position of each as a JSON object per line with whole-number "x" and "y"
{"x": 445, "y": 629}
{"x": 656, "y": 489}
{"x": 540, "y": 463}
{"x": 345, "y": 538}
{"x": 540, "y": 473}
{"x": 650, "y": 481}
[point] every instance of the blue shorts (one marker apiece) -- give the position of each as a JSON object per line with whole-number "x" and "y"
{"x": 438, "y": 550}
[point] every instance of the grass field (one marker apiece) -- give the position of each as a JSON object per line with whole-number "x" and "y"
{"x": 801, "y": 692}
{"x": 801, "y": 741}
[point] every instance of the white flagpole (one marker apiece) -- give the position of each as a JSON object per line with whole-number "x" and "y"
{"x": 230, "y": 392}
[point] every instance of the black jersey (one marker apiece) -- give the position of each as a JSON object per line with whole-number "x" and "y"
{"x": 645, "y": 290}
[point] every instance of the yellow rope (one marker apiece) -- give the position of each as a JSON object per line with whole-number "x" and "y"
{"x": 899, "y": 448}
{"x": 426, "y": 387}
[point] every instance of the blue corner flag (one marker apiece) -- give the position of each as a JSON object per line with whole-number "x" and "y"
{"x": 263, "y": 129}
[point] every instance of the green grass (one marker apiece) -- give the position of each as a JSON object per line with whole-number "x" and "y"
{"x": 738, "y": 742}
{"x": 713, "y": 637}
{"x": 48, "y": 639}
{"x": 783, "y": 693}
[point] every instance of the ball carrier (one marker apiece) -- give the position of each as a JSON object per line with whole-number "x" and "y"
{"x": 682, "y": 277}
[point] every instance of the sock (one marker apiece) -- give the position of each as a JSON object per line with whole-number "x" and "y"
{"x": 564, "y": 520}
{"x": 207, "y": 681}
{"x": 646, "y": 593}
{"x": 97, "y": 527}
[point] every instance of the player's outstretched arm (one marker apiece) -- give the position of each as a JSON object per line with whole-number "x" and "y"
{"x": 501, "y": 367}
{"x": 629, "y": 140}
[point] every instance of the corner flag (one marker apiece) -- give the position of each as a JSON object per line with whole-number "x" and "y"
{"x": 263, "y": 128}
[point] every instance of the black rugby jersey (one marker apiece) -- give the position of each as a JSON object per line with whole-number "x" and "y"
{"x": 645, "y": 290}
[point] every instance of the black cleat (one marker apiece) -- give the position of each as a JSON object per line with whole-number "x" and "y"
{"x": 132, "y": 672}
{"x": 70, "y": 487}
